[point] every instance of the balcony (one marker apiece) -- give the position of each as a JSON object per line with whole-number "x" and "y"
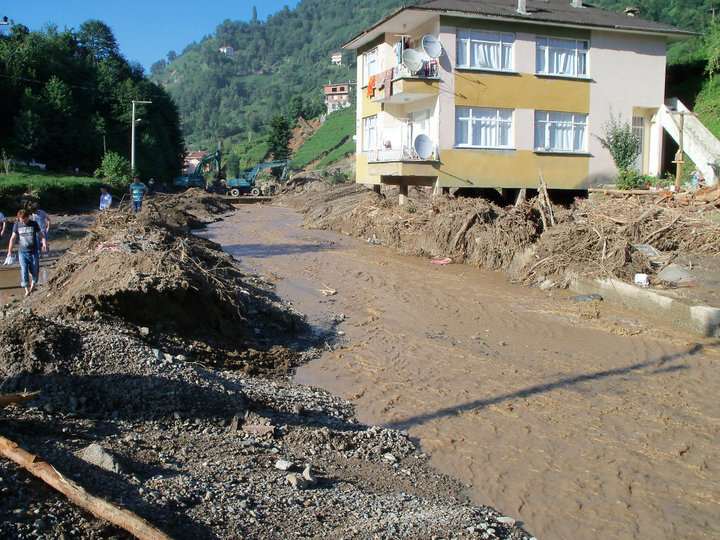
{"x": 408, "y": 86}
{"x": 404, "y": 153}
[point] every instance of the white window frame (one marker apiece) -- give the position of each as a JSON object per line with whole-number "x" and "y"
{"x": 468, "y": 39}
{"x": 577, "y": 48}
{"x": 370, "y": 133}
{"x": 546, "y": 121}
{"x": 370, "y": 65}
{"x": 474, "y": 117}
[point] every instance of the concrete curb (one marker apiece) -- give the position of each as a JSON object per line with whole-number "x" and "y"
{"x": 701, "y": 319}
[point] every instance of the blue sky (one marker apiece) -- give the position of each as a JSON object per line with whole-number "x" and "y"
{"x": 145, "y": 30}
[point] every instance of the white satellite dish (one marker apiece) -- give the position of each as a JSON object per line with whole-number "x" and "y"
{"x": 432, "y": 46}
{"x": 423, "y": 146}
{"x": 412, "y": 60}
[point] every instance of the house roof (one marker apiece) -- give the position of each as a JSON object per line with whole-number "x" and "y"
{"x": 552, "y": 12}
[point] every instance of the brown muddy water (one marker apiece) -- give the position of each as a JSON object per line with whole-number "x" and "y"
{"x": 579, "y": 423}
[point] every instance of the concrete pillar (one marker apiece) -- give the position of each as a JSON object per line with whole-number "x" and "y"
{"x": 403, "y": 199}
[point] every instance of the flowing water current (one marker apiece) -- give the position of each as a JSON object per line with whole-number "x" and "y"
{"x": 579, "y": 424}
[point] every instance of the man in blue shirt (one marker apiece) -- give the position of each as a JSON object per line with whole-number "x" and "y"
{"x": 138, "y": 190}
{"x": 26, "y": 231}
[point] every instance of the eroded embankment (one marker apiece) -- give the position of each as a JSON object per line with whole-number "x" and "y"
{"x": 118, "y": 341}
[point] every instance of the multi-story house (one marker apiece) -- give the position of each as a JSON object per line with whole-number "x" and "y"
{"x": 493, "y": 93}
{"x": 337, "y": 95}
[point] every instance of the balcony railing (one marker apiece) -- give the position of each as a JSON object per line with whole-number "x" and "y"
{"x": 406, "y": 153}
{"x": 429, "y": 71}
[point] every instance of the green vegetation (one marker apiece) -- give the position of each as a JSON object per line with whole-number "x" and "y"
{"x": 618, "y": 139}
{"x": 348, "y": 147}
{"x": 338, "y": 129}
{"x": 52, "y": 191}
{"x": 66, "y": 96}
{"x": 278, "y": 65}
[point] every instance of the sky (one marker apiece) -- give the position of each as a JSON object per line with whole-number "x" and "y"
{"x": 145, "y": 30}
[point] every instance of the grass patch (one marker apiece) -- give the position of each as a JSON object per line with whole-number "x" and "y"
{"x": 51, "y": 191}
{"x": 338, "y": 127}
{"x": 348, "y": 147}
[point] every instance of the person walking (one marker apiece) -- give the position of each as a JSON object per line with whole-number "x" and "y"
{"x": 42, "y": 219}
{"x": 138, "y": 191}
{"x": 105, "y": 198}
{"x": 26, "y": 232}
{"x": 2, "y": 219}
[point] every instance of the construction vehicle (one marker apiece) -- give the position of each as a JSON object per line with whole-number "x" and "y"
{"x": 195, "y": 178}
{"x": 245, "y": 183}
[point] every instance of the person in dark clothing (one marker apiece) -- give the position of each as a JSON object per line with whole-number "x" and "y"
{"x": 26, "y": 233}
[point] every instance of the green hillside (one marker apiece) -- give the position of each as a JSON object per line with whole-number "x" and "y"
{"x": 339, "y": 127}
{"x": 286, "y": 56}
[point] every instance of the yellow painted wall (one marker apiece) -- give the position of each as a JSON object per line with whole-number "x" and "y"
{"x": 494, "y": 168}
{"x": 520, "y": 91}
{"x": 485, "y": 168}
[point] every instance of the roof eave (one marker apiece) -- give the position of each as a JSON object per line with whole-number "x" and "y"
{"x": 671, "y": 35}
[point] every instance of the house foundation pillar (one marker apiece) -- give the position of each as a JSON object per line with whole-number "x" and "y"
{"x": 403, "y": 198}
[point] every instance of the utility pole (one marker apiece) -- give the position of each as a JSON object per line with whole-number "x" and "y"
{"x": 132, "y": 136}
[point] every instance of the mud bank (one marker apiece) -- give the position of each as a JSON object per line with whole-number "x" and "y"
{"x": 143, "y": 342}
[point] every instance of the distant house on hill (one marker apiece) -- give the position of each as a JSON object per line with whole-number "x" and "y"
{"x": 337, "y": 96}
{"x": 336, "y": 58}
{"x": 191, "y": 161}
{"x": 227, "y": 50}
{"x": 486, "y": 93}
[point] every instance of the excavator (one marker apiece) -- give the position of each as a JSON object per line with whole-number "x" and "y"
{"x": 195, "y": 178}
{"x": 245, "y": 184}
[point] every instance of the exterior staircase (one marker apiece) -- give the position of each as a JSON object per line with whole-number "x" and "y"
{"x": 699, "y": 144}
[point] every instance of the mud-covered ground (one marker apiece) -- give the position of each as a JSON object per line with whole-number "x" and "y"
{"x": 148, "y": 341}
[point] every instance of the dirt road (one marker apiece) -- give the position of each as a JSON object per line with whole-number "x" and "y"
{"x": 579, "y": 420}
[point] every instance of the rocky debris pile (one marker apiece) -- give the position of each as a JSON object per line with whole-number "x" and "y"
{"x": 196, "y": 452}
{"x": 130, "y": 413}
{"x": 595, "y": 237}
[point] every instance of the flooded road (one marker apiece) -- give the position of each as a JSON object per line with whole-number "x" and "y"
{"x": 579, "y": 424}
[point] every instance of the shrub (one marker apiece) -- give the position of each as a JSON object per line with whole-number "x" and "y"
{"x": 619, "y": 140}
{"x": 114, "y": 168}
{"x": 627, "y": 179}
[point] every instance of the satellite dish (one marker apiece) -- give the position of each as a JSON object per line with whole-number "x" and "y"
{"x": 423, "y": 146}
{"x": 412, "y": 60}
{"x": 432, "y": 46}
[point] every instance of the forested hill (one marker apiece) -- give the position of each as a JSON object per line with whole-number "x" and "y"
{"x": 289, "y": 55}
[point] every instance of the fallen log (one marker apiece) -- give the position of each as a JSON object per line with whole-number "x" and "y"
{"x": 10, "y": 399}
{"x": 125, "y": 519}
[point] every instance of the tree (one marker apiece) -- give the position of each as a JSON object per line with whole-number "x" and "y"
{"x": 254, "y": 18}
{"x": 171, "y": 56}
{"x": 619, "y": 140}
{"x": 114, "y": 168}
{"x": 98, "y": 40}
{"x": 279, "y": 139}
{"x": 296, "y": 108}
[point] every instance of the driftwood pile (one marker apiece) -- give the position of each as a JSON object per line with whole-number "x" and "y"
{"x": 622, "y": 236}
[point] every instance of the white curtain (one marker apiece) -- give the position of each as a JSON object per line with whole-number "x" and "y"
{"x": 462, "y": 51}
{"x": 485, "y": 55}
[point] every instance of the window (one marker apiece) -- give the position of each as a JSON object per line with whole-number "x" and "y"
{"x": 485, "y": 50}
{"x": 556, "y": 56}
{"x": 370, "y": 65}
{"x": 560, "y": 132}
{"x": 370, "y": 133}
{"x": 483, "y": 128}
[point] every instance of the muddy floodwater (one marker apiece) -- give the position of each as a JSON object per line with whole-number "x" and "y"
{"x": 579, "y": 422}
